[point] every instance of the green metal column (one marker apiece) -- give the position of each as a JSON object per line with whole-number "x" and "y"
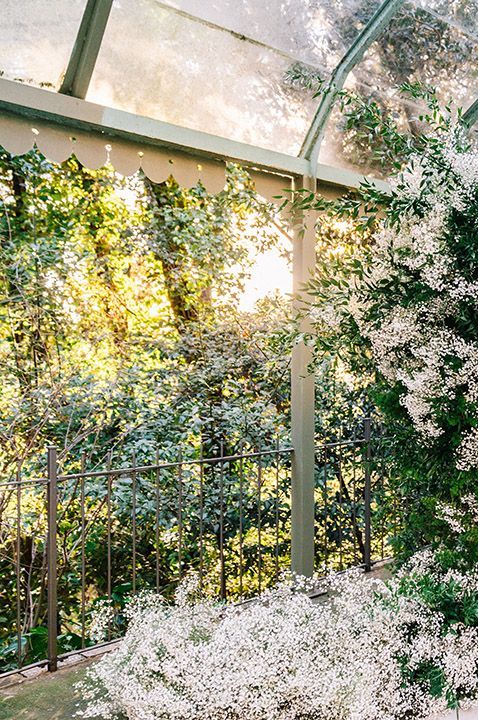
{"x": 303, "y": 401}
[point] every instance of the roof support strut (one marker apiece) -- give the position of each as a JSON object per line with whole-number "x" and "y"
{"x": 470, "y": 116}
{"x": 372, "y": 30}
{"x": 37, "y": 105}
{"x": 86, "y": 48}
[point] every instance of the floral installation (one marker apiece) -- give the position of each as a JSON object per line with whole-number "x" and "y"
{"x": 397, "y": 301}
{"x": 395, "y": 298}
{"x": 368, "y": 650}
{"x": 414, "y": 294}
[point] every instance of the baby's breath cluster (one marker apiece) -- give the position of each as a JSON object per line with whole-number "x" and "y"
{"x": 412, "y": 297}
{"x": 368, "y": 650}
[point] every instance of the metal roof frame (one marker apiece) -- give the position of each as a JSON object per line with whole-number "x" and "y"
{"x": 372, "y": 30}
{"x": 63, "y": 111}
{"x": 75, "y": 112}
{"x": 87, "y": 46}
{"x": 93, "y": 25}
{"x": 470, "y": 116}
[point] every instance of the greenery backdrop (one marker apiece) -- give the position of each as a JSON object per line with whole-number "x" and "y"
{"x": 121, "y": 338}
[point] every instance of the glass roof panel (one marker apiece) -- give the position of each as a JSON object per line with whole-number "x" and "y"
{"x": 418, "y": 46}
{"x": 225, "y": 67}
{"x": 463, "y": 14}
{"x": 316, "y": 32}
{"x": 36, "y": 39}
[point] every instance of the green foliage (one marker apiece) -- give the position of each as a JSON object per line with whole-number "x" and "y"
{"x": 119, "y": 309}
{"x": 345, "y": 288}
{"x": 452, "y": 601}
{"x": 120, "y": 332}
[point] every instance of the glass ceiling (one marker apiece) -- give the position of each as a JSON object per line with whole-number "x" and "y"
{"x": 234, "y": 69}
{"x": 36, "y": 39}
{"x": 439, "y": 48}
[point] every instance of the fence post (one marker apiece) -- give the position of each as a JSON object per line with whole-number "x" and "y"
{"x": 52, "y": 508}
{"x": 302, "y": 398}
{"x": 368, "y": 495}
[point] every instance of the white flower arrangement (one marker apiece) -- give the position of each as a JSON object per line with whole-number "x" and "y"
{"x": 371, "y": 651}
{"x": 414, "y": 298}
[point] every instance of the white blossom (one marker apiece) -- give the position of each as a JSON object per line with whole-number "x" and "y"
{"x": 468, "y": 450}
{"x": 409, "y": 298}
{"x": 285, "y": 657}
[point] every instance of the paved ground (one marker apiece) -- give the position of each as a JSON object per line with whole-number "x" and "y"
{"x": 464, "y": 715}
{"x": 47, "y": 697}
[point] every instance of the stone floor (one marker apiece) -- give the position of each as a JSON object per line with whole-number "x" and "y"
{"x": 471, "y": 714}
{"x": 49, "y": 696}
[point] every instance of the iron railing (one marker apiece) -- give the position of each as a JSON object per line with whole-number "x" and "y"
{"x": 70, "y": 539}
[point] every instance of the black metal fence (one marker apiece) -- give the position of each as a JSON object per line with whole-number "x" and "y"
{"x": 70, "y": 540}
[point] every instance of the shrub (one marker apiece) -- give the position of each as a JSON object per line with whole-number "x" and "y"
{"x": 399, "y": 302}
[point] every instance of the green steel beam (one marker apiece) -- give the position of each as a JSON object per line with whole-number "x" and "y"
{"x": 470, "y": 116}
{"x": 38, "y": 104}
{"x": 372, "y": 30}
{"x": 86, "y": 48}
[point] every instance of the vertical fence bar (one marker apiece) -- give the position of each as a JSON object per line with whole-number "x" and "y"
{"x": 259, "y": 520}
{"x": 382, "y": 491}
{"x": 368, "y": 496}
{"x": 201, "y": 518}
{"x": 18, "y": 566}
{"x": 180, "y": 515}
{"x": 156, "y": 519}
{"x": 276, "y": 549}
{"x": 341, "y": 503}
{"x": 52, "y": 508}
{"x": 241, "y": 520}
{"x": 133, "y": 489}
{"x": 109, "y": 481}
{"x": 221, "y": 525}
{"x": 354, "y": 495}
{"x": 82, "y": 545}
{"x": 395, "y": 516}
{"x": 326, "y": 510}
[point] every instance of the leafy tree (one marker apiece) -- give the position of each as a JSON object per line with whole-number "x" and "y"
{"x": 119, "y": 332}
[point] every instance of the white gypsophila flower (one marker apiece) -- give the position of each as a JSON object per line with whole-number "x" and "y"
{"x": 410, "y": 342}
{"x": 471, "y": 504}
{"x": 398, "y": 328}
{"x": 418, "y": 297}
{"x": 465, "y": 167}
{"x": 327, "y": 317}
{"x": 285, "y": 657}
{"x": 467, "y": 453}
{"x": 356, "y": 309}
{"x": 461, "y": 289}
{"x": 412, "y": 347}
{"x": 102, "y": 618}
{"x": 411, "y": 177}
{"x": 451, "y": 516}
